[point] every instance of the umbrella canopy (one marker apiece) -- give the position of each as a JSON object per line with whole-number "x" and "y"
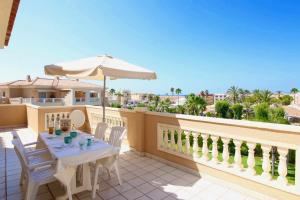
{"x": 99, "y": 68}
{"x": 95, "y": 68}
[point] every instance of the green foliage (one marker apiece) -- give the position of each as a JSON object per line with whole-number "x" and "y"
{"x": 195, "y": 105}
{"x": 115, "y": 105}
{"x": 286, "y": 100}
{"x": 262, "y": 112}
{"x": 237, "y": 110}
{"x": 222, "y": 108}
{"x": 233, "y": 94}
{"x": 140, "y": 104}
{"x": 277, "y": 116}
{"x": 180, "y": 109}
{"x": 210, "y": 114}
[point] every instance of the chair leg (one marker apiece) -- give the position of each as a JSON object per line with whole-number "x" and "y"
{"x": 116, "y": 164}
{"x": 31, "y": 191}
{"x": 69, "y": 192}
{"x": 22, "y": 177}
{"x": 95, "y": 181}
{"x": 108, "y": 172}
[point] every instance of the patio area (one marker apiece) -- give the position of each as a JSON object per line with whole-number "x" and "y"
{"x": 143, "y": 178}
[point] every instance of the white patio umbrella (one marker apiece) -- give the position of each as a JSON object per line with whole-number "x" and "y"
{"x": 99, "y": 68}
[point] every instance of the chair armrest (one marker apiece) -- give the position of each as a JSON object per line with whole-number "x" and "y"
{"x": 31, "y": 143}
{"x": 42, "y": 164}
{"x": 37, "y": 152}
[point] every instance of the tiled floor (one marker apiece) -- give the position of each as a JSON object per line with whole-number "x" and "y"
{"x": 143, "y": 179}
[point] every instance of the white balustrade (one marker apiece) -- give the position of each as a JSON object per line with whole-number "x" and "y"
{"x": 205, "y": 151}
{"x": 179, "y": 141}
{"x": 266, "y": 162}
{"x": 187, "y": 142}
{"x": 173, "y": 139}
{"x": 237, "y": 168}
{"x": 251, "y": 158}
{"x": 282, "y": 167}
{"x": 225, "y": 153}
{"x": 195, "y": 146}
{"x": 214, "y": 151}
{"x": 237, "y": 155}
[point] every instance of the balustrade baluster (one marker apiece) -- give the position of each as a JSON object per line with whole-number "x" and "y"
{"x": 214, "y": 149}
{"x": 166, "y": 139}
{"x": 251, "y": 159}
{"x": 237, "y": 155}
{"x": 266, "y": 161}
{"x": 282, "y": 167}
{"x": 173, "y": 146}
{"x": 161, "y": 135}
{"x": 179, "y": 141}
{"x": 204, "y": 147}
{"x": 195, "y": 145}
{"x": 225, "y": 153}
{"x": 187, "y": 142}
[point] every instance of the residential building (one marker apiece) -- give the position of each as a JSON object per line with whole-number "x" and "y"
{"x": 218, "y": 97}
{"x": 46, "y": 91}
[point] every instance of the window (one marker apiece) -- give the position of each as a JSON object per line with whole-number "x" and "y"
{"x": 3, "y": 94}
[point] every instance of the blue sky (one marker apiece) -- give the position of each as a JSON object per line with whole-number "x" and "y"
{"x": 191, "y": 44}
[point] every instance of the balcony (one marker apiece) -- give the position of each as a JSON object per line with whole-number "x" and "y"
{"x": 160, "y": 159}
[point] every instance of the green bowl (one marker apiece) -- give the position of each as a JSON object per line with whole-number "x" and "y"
{"x": 68, "y": 140}
{"x": 73, "y": 134}
{"x": 58, "y": 132}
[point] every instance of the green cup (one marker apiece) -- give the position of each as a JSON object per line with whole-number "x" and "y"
{"x": 73, "y": 134}
{"x": 89, "y": 142}
{"x": 58, "y": 132}
{"x": 68, "y": 140}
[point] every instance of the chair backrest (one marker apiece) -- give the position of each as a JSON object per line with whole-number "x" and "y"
{"x": 116, "y": 136}
{"x": 18, "y": 139}
{"x": 100, "y": 130}
{"x": 22, "y": 158}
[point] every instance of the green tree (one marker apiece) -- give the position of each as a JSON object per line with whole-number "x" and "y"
{"x": 261, "y": 112}
{"x": 195, "y": 105}
{"x": 180, "y": 109}
{"x": 277, "y": 115}
{"x": 156, "y": 100}
{"x": 164, "y": 105}
{"x": 237, "y": 110}
{"x": 286, "y": 100}
{"x": 222, "y": 108}
{"x": 233, "y": 94}
{"x": 294, "y": 91}
{"x": 265, "y": 96}
{"x": 178, "y": 92}
{"x": 172, "y": 90}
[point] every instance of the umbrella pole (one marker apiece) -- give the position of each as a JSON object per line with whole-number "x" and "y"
{"x": 103, "y": 99}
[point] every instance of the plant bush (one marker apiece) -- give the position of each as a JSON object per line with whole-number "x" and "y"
{"x": 222, "y": 108}
{"x": 286, "y": 100}
{"x": 261, "y": 112}
{"x": 277, "y": 116}
{"x": 115, "y": 105}
{"x": 237, "y": 110}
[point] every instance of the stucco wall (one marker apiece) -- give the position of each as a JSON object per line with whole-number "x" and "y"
{"x": 13, "y": 115}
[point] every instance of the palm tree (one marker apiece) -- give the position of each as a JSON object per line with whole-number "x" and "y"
{"x": 172, "y": 91}
{"x": 294, "y": 91}
{"x": 156, "y": 100}
{"x": 178, "y": 92}
{"x": 195, "y": 104}
{"x": 257, "y": 95}
{"x": 266, "y": 96}
{"x": 233, "y": 94}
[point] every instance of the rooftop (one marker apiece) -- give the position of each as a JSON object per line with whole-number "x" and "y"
{"x": 54, "y": 83}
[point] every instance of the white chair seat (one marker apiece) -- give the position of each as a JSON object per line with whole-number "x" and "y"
{"x": 43, "y": 175}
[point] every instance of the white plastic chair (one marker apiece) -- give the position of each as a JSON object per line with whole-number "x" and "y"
{"x": 115, "y": 139}
{"x": 37, "y": 174}
{"x": 32, "y": 156}
{"x": 100, "y": 130}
